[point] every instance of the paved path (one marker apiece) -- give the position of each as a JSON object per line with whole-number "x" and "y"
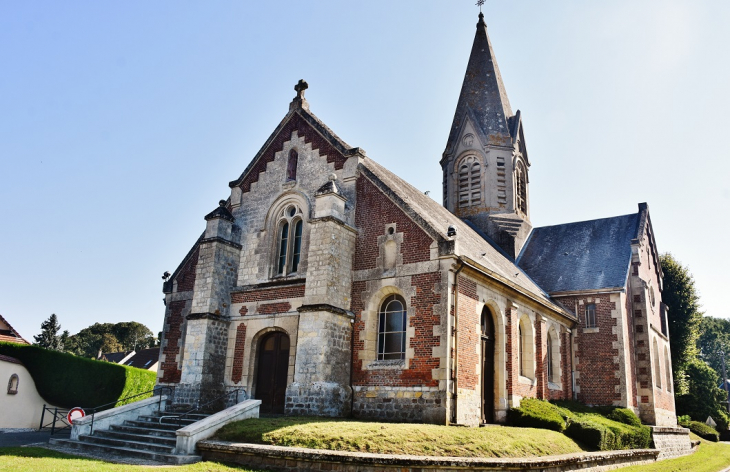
{"x": 16, "y": 439}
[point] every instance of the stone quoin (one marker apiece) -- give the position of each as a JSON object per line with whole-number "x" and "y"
{"x": 327, "y": 285}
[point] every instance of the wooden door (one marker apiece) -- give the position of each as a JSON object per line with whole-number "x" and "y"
{"x": 273, "y": 367}
{"x": 487, "y": 366}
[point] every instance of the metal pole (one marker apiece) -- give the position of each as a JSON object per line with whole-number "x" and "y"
{"x": 724, "y": 380}
{"x": 53, "y": 426}
{"x": 43, "y": 413}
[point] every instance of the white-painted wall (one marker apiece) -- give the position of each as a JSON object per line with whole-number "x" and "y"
{"x": 23, "y": 409}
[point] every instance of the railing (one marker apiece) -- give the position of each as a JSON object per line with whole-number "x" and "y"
{"x": 59, "y": 415}
{"x": 197, "y": 407}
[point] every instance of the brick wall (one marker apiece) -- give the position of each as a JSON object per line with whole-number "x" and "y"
{"x": 273, "y": 308}
{"x": 186, "y": 278}
{"x": 172, "y": 335}
{"x": 375, "y": 210}
{"x": 264, "y": 294}
{"x": 469, "y": 336}
{"x": 239, "y": 351}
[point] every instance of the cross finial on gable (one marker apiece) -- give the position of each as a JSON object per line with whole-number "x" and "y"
{"x": 300, "y": 87}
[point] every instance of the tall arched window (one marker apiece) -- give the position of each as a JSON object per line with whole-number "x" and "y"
{"x": 668, "y": 369}
{"x": 526, "y": 348}
{"x": 553, "y": 357}
{"x": 521, "y": 187}
{"x": 392, "y": 328}
{"x": 291, "y": 168}
{"x": 550, "y": 367}
{"x": 289, "y": 243}
{"x": 521, "y": 350}
{"x": 470, "y": 173}
{"x": 657, "y": 366}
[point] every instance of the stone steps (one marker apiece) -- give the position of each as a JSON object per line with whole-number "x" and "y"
{"x": 149, "y": 437}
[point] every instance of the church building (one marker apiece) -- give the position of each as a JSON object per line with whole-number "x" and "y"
{"x": 327, "y": 285}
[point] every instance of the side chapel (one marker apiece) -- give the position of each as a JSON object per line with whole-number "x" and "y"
{"x": 327, "y": 285}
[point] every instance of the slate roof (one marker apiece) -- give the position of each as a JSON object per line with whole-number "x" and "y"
{"x": 145, "y": 358}
{"x": 483, "y": 97}
{"x": 436, "y": 218}
{"x": 588, "y": 255}
{"x": 115, "y": 357}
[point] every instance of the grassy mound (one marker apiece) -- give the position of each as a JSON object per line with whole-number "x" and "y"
{"x": 603, "y": 428}
{"x": 67, "y": 381}
{"x": 398, "y": 438}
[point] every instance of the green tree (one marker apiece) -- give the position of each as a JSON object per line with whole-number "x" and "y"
{"x": 703, "y": 398}
{"x": 133, "y": 335}
{"x": 110, "y": 337}
{"x": 49, "y": 337}
{"x": 714, "y": 339}
{"x": 684, "y": 316}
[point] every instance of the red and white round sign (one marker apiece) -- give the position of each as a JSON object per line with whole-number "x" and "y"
{"x": 74, "y": 414}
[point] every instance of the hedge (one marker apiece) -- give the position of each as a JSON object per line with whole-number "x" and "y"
{"x": 67, "y": 381}
{"x": 537, "y": 414}
{"x": 702, "y": 430}
{"x": 602, "y": 428}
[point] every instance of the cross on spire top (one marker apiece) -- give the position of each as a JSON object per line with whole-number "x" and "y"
{"x": 300, "y": 87}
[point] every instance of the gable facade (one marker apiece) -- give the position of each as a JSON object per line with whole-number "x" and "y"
{"x": 326, "y": 285}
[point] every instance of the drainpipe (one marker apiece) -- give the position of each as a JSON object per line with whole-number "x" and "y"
{"x": 352, "y": 365}
{"x": 455, "y": 367}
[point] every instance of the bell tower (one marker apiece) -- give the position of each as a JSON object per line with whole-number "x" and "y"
{"x": 485, "y": 164}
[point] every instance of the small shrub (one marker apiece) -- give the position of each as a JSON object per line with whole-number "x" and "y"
{"x": 625, "y": 416}
{"x": 537, "y": 414}
{"x": 701, "y": 429}
{"x": 592, "y": 434}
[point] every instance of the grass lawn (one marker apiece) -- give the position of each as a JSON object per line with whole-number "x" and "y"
{"x": 38, "y": 459}
{"x": 398, "y": 438}
{"x": 711, "y": 457}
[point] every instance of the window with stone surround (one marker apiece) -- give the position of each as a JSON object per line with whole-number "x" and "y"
{"x": 392, "y": 329}
{"x": 526, "y": 348}
{"x": 591, "y": 315}
{"x": 521, "y": 187}
{"x": 291, "y": 168}
{"x": 668, "y": 369}
{"x": 13, "y": 384}
{"x": 657, "y": 366}
{"x": 470, "y": 176}
{"x": 289, "y": 242}
{"x": 550, "y": 359}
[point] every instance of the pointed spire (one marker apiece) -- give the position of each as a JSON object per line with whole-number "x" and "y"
{"x": 483, "y": 97}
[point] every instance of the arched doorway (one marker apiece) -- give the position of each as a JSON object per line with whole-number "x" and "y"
{"x": 273, "y": 367}
{"x": 487, "y": 366}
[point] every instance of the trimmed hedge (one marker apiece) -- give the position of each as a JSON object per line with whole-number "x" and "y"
{"x": 68, "y": 381}
{"x": 537, "y": 414}
{"x": 702, "y": 430}
{"x": 601, "y": 428}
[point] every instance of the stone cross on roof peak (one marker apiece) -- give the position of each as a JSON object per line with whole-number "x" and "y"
{"x": 300, "y": 87}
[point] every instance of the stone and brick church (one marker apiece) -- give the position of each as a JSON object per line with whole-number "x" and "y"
{"x": 327, "y": 285}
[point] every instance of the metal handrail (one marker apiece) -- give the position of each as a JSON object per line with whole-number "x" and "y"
{"x": 200, "y": 407}
{"x": 159, "y": 391}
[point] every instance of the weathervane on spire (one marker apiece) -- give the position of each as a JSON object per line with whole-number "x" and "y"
{"x": 480, "y": 3}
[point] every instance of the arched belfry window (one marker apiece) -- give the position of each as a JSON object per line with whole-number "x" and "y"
{"x": 392, "y": 329}
{"x": 470, "y": 188}
{"x": 521, "y": 187}
{"x": 291, "y": 167}
{"x": 289, "y": 244}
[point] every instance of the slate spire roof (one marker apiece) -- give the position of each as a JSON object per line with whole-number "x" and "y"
{"x": 483, "y": 97}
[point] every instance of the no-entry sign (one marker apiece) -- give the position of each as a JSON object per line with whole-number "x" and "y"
{"x": 74, "y": 414}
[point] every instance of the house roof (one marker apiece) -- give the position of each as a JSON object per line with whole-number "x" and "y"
{"x": 144, "y": 358}
{"x": 115, "y": 357}
{"x": 436, "y": 219}
{"x": 587, "y": 255}
{"x": 9, "y": 334}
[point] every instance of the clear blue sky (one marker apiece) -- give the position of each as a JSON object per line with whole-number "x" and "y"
{"x": 121, "y": 124}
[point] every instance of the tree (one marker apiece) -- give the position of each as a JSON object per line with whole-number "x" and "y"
{"x": 714, "y": 339}
{"x": 49, "y": 337}
{"x": 110, "y": 337}
{"x": 133, "y": 335}
{"x": 703, "y": 398}
{"x": 684, "y": 317}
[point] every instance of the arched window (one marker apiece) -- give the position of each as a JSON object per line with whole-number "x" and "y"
{"x": 526, "y": 348}
{"x": 521, "y": 187}
{"x": 13, "y": 384}
{"x": 550, "y": 368}
{"x": 553, "y": 357}
{"x": 392, "y": 329}
{"x": 470, "y": 173}
{"x": 657, "y": 366}
{"x": 668, "y": 368}
{"x": 291, "y": 168}
{"x": 289, "y": 243}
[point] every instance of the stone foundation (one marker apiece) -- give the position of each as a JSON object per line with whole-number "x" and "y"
{"x": 671, "y": 442}
{"x": 318, "y": 398}
{"x": 401, "y": 404}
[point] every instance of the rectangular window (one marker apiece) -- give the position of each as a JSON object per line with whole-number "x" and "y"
{"x": 591, "y": 315}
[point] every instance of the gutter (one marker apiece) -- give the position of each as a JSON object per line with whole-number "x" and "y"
{"x": 455, "y": 367}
